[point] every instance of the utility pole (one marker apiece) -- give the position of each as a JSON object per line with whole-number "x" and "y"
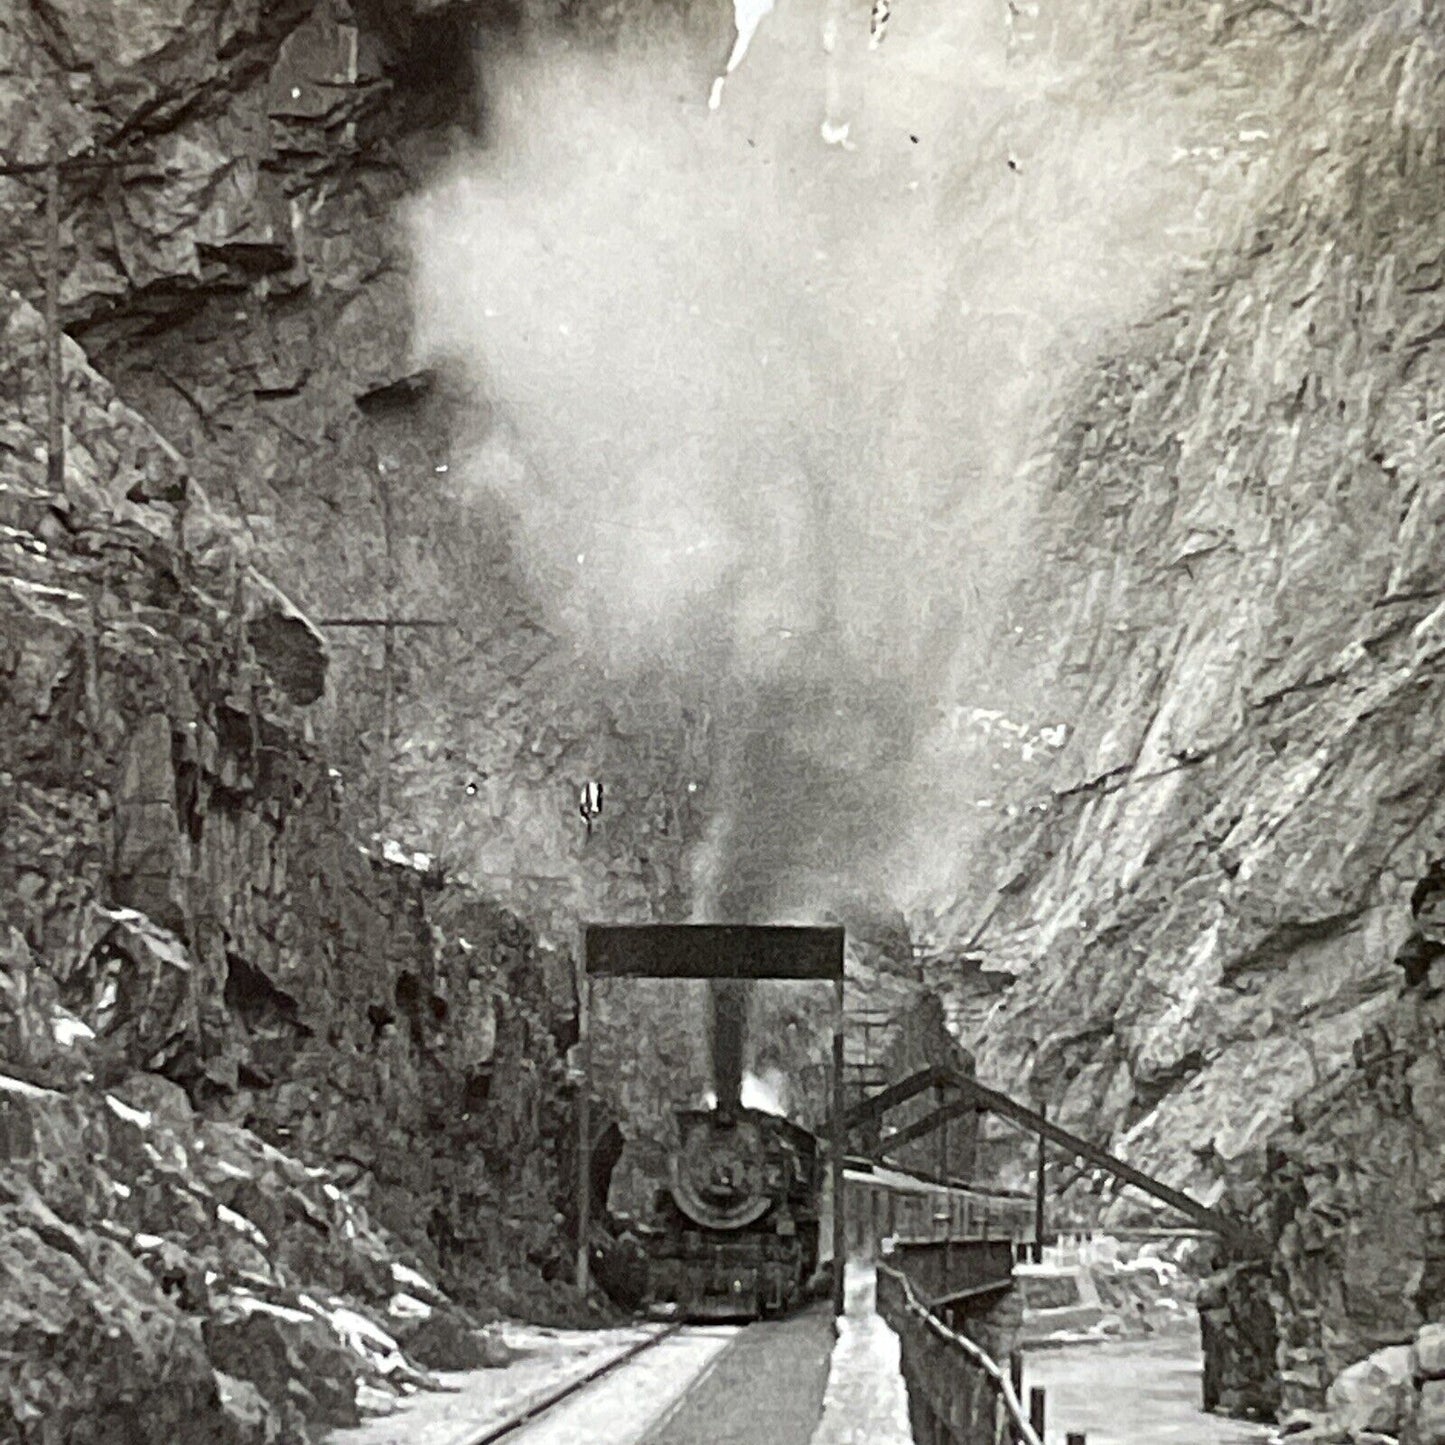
{"x": 388, "y": 623}
{"x": 1039, "y": 1195}
{"x": 388, "y": 646}
{"x": 49, "y": 171}
{"x": 839, "y": 1132}
{"x": 54, "y": 361}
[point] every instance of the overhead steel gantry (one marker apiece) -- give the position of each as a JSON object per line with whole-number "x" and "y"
{"x": 973, "y": 1097}
{"x": 743, "y": 953}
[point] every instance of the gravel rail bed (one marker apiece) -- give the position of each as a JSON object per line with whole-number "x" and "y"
{"x": 766, "y": 1388}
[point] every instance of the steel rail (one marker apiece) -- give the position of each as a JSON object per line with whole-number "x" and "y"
{"x": 539, "y": 1407}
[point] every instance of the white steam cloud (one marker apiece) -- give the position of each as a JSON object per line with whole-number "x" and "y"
{"x": 764, "y": 407}
{"x": 766, "y": 1092}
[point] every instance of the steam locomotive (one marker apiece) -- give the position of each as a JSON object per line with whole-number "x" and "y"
{"x": 739, "y": 1218}
{"x": 744, "y": 1220}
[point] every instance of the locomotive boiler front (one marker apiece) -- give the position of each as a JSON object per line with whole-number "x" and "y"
{"x": 738, "y": 1234}
{"x": 722, "y": 1175}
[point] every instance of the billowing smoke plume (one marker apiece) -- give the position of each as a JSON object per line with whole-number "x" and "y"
{"x": 764, "y": 405}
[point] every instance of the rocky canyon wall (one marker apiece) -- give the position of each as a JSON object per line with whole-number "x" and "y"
{"x": 235, "y": 263}
{"x": 1205, "y": 902}
{"x": 264, "y": 1094}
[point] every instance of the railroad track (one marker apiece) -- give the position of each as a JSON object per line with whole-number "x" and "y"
{"x": 540, "y": 1406}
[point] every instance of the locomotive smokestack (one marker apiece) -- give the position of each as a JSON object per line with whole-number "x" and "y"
{"x": 729, "y": 1033}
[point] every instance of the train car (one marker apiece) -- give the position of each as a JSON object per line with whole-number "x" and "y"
{"x": 739, "y": 1217}
{"x": 886, "y": 1204}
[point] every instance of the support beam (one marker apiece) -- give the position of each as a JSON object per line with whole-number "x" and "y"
{"x": 922, "y": 1128}
{"x": 49, "y": 171}
{"x": 840, "y": 1144}
{"x": 382, "y": 622}
{"x": 584, "y": 1121}
{"x": 1213, "y": 1219}
{"x": 714, "y": 950}
{"x": 54, "y": 354}
{"x": 871, "y": 1110}
{"x": 973, "y": 1095}
{"x": 1039, "y": 1200}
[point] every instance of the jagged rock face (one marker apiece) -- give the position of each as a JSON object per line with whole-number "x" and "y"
{"x": 242, "y": 280}
{"x": 1245, "y": 578}
{"x": 187, "y": 926}
{"x": 164, "y": 1272}
{"x": 178, "y": 863}
{"x": 1356, "y": 1197}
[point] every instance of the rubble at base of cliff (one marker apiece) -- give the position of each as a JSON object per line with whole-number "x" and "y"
{"x": 1395, "y": 1396}
{"x": 161, "y": 1268}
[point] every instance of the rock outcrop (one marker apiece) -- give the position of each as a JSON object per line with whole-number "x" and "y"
{"x": 234, "y": 262}
{"x": 264, "y": 1095}
{"x": 359, "y": 1058}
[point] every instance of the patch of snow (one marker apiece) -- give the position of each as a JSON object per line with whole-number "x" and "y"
{"x": 67, "y": 1029}
{"x": 747, "y": 16}
{"x": 367, "y": 1339}
{"x": 372, "y": 1401}
{"x": 142, "y": 1118}
{"x": 39, "y": 589}
{"x": 331, "y": 1191}
{"x": 865, "y": 1398}
{"x": 393, "y": 852}
{"x": 19, "y": 1086}
{"x": 225, "y": 1167}
{"x": 240, "y": 1223}
{"x": 26, "y": 541}
{"x": 404, "y": 1274}
{"x": 249, "y": 1304}
{"x": 123, "y": 1190}
{"x": 550, "y": 1358}
{"x": 408, "y": 1307}
{"x": 160, "y": 942}
{"x": 1162, "y": 1269}
{"x": 147, "y": 1241}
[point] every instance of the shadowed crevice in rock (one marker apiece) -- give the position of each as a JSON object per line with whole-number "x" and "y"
{"x": 292, "y": 651}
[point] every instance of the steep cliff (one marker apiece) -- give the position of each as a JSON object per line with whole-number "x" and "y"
{"x": 263, "y": 1091}
{"x": 1239, "y": 574}
{"x": 234, "y": 262}
{"x": 1205, "y": 901}
{"x": 278, "y": 1091}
